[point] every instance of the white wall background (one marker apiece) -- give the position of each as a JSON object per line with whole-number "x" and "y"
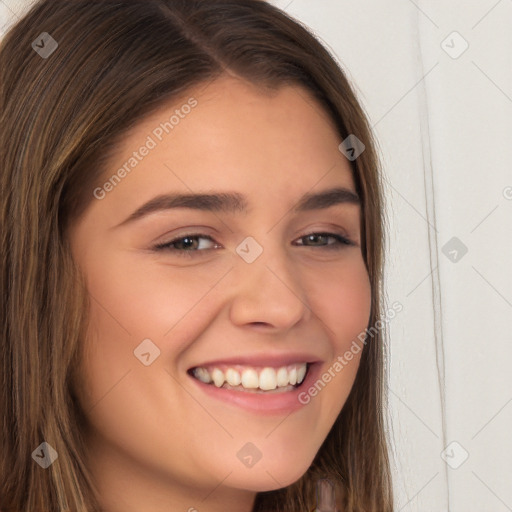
{"x": 444, "y": 121}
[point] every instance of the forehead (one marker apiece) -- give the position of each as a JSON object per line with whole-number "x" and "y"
{"x": 230, "y": 134}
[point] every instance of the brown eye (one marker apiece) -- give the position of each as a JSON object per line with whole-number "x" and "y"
{"x": 189, "y": 243}
{"x": 320, "y": 240}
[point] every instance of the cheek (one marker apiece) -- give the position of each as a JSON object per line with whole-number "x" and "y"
{"x": 148, "y": 300}
{"x": 341, "y": 298}
{"x": 131, "y": 302}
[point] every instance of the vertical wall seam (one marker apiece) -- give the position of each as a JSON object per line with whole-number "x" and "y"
{"x": 428, "y": 179}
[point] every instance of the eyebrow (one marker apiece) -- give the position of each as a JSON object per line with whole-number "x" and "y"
{"x": 233, "y": 202}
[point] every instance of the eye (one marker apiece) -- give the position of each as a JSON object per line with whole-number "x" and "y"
{"x": 187, "y": 244}
{"x": 339, "y": 240}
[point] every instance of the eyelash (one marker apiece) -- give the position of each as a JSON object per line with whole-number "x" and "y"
{"x": 167, "y": 246}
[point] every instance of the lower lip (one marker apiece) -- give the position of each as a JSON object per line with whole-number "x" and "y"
{"x": 262, "y": 403}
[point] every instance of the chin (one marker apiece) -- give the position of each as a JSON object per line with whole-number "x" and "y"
{"x": 269, "y": 477}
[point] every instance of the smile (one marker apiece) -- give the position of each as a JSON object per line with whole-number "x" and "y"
{"x": 253, "y": 378}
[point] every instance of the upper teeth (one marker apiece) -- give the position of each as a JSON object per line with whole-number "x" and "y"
{"x": 267, "y": 378}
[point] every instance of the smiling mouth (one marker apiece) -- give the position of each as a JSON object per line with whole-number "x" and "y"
{"x": 252, "y": 379}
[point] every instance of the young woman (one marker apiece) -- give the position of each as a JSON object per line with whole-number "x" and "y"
{"x": 192, "y": 234}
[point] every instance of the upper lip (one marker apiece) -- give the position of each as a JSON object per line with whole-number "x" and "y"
{"x": 272, "y": 360}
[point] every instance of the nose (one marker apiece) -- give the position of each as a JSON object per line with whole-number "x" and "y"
{"x": 268, "y": 291}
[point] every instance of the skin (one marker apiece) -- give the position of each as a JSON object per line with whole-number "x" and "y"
{"x": 157, "y": 442}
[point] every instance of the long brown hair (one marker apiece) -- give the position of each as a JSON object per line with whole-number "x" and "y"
{"x": 61, "y": 116}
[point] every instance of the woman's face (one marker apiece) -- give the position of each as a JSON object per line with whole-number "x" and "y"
{"x": 240, "y": 292}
